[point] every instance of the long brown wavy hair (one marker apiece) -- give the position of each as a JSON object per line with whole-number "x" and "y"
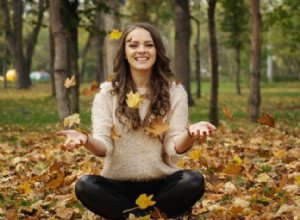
{"x": 160, "y": 81}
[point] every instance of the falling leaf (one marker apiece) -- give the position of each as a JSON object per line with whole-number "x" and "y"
{"x": 267, "y": 119}
{"x": 228, "y": 114}
{"x": 110, "y": 78}
{"x": 115, "y": 34}
{"x": 93, "y": 90}
{"x": 115, "y": 134}
{"x": 70, "y": 82}
{"x": 157, "y": 127}
{"x": 72, "y": 120}
{"x": 133, "y": 99}
{"x": 144, "y": 201}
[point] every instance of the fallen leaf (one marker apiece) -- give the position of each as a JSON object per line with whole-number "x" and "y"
{"x": 70, "y": 82}
{"x": 195, "y": 154}
{"x": 267, "y": 119}
{"x": 115, "y": 134}
{"x": 157, "y": 127}
{"x": 262, "y": 178}
{"x": 133, "y": 99}
{"x": 25, "y": 188}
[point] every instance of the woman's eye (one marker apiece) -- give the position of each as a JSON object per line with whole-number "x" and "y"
{"x": 149, "y": 45}
{"x": 133, "y": 45}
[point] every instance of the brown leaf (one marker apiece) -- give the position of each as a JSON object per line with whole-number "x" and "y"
{"x": 93, "y": 90}
{"x": 158, "y": 215}
{"x": 57, "y": 182}
{"x": 115, "y": 134}
{"x": 267, "y": 119}
{"x": 227, "y": 113}
{"x": 157, "y": 127}
{"x": 178, "y": 82}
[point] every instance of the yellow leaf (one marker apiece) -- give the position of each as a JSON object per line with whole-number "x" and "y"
{"x": 195, "y": 154}
{"x": 262, "y": 178}
{"x": 297, "y": 180}
{"x": 133, "y": 99}
{"x": 157, "y": 127}
{"x": 115, "y": 34}
{"x": 144, "y": 201}
{"x": 237, "y": 160}
{"x": 70, "y": 82}
{"x": 115, "y": 134}
{"x": 25, "y": 187}
{"x": 57, "y": 182}
{"x": 72, "y": 120}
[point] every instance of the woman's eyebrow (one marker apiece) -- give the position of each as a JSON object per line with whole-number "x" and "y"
{"x": 135, "y": 41}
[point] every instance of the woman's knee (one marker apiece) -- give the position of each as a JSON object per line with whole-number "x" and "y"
{"x": 193, "y": 179}
{"x": 82, "y": 184}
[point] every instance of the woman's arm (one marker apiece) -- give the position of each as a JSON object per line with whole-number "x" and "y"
{"x": 76, "y": 139}
{"x": 197, "y": 131}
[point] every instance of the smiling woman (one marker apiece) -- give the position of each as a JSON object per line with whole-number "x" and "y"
{"x": 140, "y": 124}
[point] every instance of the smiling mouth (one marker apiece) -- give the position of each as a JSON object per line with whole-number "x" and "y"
{"x": 142, "y": 58}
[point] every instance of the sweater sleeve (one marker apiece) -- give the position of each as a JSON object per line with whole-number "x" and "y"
{"x": 102, "y": 121}
{"x": 178, "y": 120}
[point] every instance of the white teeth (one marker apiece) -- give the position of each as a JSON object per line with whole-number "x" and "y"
{"x": 141, "y": 58}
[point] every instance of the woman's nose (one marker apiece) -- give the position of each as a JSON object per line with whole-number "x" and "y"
{"x": 141, "y": 48}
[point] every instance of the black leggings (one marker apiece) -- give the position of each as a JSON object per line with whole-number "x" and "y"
{"x": 174, "y": 195}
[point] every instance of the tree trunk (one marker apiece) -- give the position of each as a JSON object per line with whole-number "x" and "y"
{"x": 213, "y": 113}
{"x": 254, "y": 96}
{"x": 71, "y": 23}
{"x": 99, "y": 44}
{"x": 238, "y": 70}
{"x": 14, "y": 37}
{"x": 83, "y": 57}
{"x": 182, "y": 44}
{"x": 60, "y": 62}
{"x": 111, "y": 22}
{"x": 52, "y": 57}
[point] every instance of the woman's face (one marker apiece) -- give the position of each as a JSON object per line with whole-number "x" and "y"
{"x": 140, "y": 50}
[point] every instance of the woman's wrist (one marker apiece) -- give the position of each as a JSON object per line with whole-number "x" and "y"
{"x": 188, "y": 131}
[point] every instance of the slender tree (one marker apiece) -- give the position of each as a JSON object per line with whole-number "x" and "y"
{"x": 182, "y": 44}
{"x": 235, "y": 22}
{"x": 213, "y": 113}
{"x": 14, "y": 37}
{"x": 60, "y": 61}
{"x": 254, "y": 96}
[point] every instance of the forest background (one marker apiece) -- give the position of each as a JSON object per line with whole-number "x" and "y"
{"x": 238, "y": 60}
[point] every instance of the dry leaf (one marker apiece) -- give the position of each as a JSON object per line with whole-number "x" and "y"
{"x": 144, "y": 201}
{"x": 267, "y": 119}
{"x": 158, "y": 215}
{"x": 70, "y": 82}
{"x": 195, "y": 154}
{"x": 72, "y": 120}
{"x": 133, "y": 99}
{"x": 228, "y": 114}
{"x": 93, "y": 90}
{"x": 115, "y": 134}
{"x": 262, "y": 178}
{"x": 115, "y": 34}
{"x": 57, "y": 182}
{"x": 26, "y": 189}
{"x": 157, "y": 127}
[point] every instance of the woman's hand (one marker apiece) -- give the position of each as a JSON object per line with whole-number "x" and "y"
{"x": 199, "y": 131}
{"x": 74, "y": 138}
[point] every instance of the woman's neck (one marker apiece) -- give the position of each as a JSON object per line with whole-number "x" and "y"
{"x": 141, "y": 78}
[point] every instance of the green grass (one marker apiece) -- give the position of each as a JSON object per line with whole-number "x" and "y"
{"x": 36, "y": 110}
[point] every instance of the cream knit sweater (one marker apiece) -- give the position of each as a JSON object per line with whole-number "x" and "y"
{"x": 136, "y": 156}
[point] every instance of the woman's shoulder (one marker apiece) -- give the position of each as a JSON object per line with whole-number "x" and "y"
{"x": 106, "y": 87}
{"x": 176, "y": 88}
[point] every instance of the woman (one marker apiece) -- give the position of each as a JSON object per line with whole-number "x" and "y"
{"x": 151, "y": 133}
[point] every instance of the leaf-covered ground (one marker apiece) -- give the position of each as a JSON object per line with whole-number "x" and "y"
{"x": 252, "y": 171}
{"x": 249, "y": 175}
